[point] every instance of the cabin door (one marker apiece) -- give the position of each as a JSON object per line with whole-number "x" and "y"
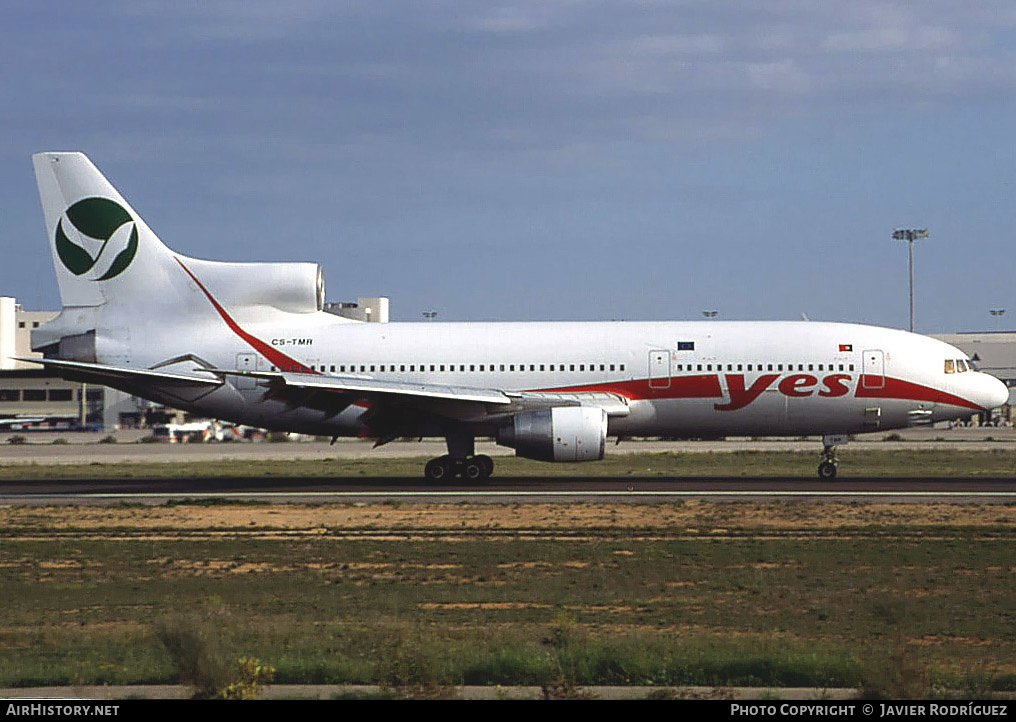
{"x": 873, "y": 371}
{"x": 659, "y": 369}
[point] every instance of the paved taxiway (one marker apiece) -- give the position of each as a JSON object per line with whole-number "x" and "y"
{"x": 82, "y": 448}
{"x": 635, "y": 490}
{"x": 500, "y": 490}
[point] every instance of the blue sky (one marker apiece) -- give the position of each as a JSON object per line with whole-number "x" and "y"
{"x": 552, "y": 159}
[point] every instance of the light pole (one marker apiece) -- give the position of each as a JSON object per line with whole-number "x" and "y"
{"x": 910, "y": 235}
{"x": 997, "y": 313}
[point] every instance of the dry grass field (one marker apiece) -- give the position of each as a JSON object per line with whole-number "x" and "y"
{"x": 894, "y": 600}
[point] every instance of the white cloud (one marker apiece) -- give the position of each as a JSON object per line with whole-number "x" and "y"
{"x": 679, "y": 45}
{"x": 893, "y": 39}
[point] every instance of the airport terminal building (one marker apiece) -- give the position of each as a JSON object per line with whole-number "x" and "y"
{"x": 33, "y": 398}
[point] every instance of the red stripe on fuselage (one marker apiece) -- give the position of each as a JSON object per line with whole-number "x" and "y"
{"x": 279, "y": 359}
{"x": 704, "y": 387}
{"x": 900, "y": 389}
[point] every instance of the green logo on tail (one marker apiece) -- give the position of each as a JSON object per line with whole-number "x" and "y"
{"x": 97, "y": 219}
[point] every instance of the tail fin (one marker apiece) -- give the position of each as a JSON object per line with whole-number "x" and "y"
{"x": 106, "y": 255}
{"x": 117, "y": 278}
{"x": 94, "y": 234}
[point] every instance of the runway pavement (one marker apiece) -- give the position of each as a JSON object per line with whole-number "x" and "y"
{"x": 84, "y": 448}
{"x": 507, "y": 490}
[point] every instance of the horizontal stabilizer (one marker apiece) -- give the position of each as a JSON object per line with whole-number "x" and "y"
{"x": 107, "y": 375}
{"x": 165, "y": 387}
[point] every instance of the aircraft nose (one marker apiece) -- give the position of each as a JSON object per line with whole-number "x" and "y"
{"x": 994, "y": 393}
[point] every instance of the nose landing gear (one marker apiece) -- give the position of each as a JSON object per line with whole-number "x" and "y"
{"x": 829, "y": 463}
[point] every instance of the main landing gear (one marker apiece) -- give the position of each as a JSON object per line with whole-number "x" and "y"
{"x": 829, "y": 463}
{"x": 461, "y": 461}
{"x": 445, "y": 468}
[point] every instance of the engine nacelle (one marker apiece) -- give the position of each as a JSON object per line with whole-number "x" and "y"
{"x": 562, "y": 433}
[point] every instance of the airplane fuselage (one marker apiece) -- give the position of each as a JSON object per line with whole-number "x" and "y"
{"x": 700, "y": 378}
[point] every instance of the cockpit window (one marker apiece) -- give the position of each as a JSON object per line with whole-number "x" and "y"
{"x": 958, "y": 366}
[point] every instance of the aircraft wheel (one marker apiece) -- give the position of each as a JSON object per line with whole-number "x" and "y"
{"x": 487, "y": 462}
{"x": 439, "y": 469}
{"x": 475, "y": 469}
{"x": 827, "y": 470}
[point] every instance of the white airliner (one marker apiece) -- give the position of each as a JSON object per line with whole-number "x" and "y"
{"x": 249, "y": 343}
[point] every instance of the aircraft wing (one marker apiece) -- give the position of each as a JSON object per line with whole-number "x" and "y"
{"x": 461, "y": 403}
{"x": 389, "y": 404}
{"x": 352, "y": 385}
